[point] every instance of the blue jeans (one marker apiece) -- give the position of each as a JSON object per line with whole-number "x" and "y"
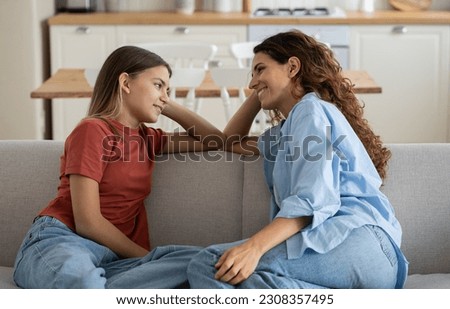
{"x": 53, "y": 256}
{"x": 366, "y": 259}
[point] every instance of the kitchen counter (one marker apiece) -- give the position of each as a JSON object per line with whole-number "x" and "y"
{"x": 210, "y": 18}
{"x": 71, "y": 83}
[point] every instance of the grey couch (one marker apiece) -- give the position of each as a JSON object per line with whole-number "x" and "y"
{"x": 219, "y": 197}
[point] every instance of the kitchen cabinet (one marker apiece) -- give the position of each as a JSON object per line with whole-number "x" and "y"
{"x": 411, "y": 64}
{"x": 76, "y": 47}
{"x": 222, "y": 36}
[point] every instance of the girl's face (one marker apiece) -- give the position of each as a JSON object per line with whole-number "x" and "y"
{"x": 273, "y": 82}
{"x": 144, "y": 96}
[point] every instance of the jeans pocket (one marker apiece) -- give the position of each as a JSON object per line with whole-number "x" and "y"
{"x": 30, "y": 238}
{"x": 38, "y": 231}
{"x": 385, "y": 244}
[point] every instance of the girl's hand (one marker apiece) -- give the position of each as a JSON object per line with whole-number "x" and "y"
{"x": 237, "y": 263}
{"x": 170, "y": 108}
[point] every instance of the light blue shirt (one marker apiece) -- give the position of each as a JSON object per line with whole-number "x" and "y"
{"x": 315, "y": 165}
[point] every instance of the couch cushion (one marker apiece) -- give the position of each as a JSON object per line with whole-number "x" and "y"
{"x": 6, "y": 280}
{"x": 256, "y": 199}
{"x": 418, "y": 186}
{"x": 430, "y": 281}
{"x": 22, "y": 195}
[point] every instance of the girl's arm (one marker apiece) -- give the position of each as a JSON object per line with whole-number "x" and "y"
{"x": 200, "y": 134}
{"x": 239, "y": 262}
{"x": 90, "y": 223}
{"x": 237, "y": 130}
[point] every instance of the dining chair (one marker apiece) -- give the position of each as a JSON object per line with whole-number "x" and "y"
{"x": 227, "y": 77}
{"x": 189, "y": 62}
{"x": 91, "y": 75}
{"x": 233, "y": 77}
{"x": 243, "y": 52}
{"x": 183, "y": 54}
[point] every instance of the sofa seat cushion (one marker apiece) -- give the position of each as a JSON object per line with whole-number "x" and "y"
{"x": 6, "y": 278}
{"x": 428, "y": 281}
{"x": 416, "y": 281}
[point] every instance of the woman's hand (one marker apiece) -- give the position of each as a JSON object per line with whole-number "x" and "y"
{"x": 241, "y": 122}
{"x": 237, "y": 263}
{"x": 237, "y": 138}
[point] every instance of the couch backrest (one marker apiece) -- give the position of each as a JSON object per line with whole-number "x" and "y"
{"x": 221, "y": 197}
{"x": 202, "y": 203}
{"x": 28, "y": 181}
{"x": 196, "y": 199}
{"x": 418, "y": 186}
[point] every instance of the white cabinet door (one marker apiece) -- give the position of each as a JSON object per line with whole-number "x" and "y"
{"x": 222, "y": 36}
{"x": 411, "y": 64}
{"x": 76, "y": 47}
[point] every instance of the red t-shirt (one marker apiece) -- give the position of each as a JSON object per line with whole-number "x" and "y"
{"x": 122, "y": 167}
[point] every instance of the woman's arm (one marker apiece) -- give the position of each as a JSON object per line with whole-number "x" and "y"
{"x": 238, "y": 128}
{"x": 241, "y": 122}
{"x": 239, "y": 262}
{"x": 90, "y": 223}
{"x": 200, "y": 134}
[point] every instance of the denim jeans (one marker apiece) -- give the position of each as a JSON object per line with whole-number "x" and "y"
{"x": 53, "y": 256}
{"x": 366, "y": 259}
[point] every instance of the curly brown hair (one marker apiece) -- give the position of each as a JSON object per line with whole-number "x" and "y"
{"x": 321, "y": 73}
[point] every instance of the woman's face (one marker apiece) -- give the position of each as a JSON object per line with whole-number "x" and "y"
{"x": 273, "y": 83}
{"x": 144, "y": 96}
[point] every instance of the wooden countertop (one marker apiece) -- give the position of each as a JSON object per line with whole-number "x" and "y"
{"x": 209, "y": 18}
{"x": 71, "y": 83}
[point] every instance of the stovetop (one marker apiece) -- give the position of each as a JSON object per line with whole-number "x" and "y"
{"x": 299, "y": 12}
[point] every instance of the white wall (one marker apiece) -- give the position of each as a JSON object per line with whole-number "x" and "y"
{"x": 22, "y": 66}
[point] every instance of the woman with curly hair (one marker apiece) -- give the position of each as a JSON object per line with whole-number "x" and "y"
{"x": 331, "y": 225}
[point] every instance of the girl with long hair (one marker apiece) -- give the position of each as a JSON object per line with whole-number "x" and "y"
{"x": 94, "y": 234}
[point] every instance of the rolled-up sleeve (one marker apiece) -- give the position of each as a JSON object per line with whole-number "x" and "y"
{"x": 307, "y": 181}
